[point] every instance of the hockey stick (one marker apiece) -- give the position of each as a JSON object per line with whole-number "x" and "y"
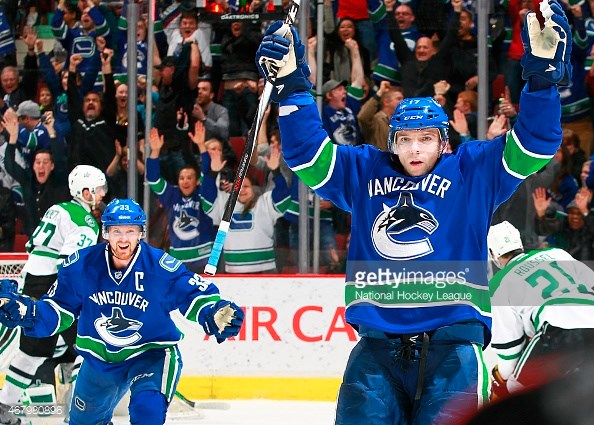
{"x": 246, "y": 156}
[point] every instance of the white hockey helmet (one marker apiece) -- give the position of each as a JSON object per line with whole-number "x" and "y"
{"x": 86, "y": 177}
{"x": 502, "y": 239}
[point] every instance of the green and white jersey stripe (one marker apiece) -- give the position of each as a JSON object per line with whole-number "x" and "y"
{"x": 249, "y": 246}
{"x": 520, "y": 162}
{"x": 318, "y": 170}
{"x": 97, "y": 348}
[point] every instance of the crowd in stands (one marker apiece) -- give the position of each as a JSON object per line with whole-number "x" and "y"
{"x": 64, "y": 99}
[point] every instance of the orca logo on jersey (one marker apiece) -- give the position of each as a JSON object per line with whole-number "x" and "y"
{"x": 391, "y": 225}
{"x": 185, "y": 226}
{"x": 118, "y": 330}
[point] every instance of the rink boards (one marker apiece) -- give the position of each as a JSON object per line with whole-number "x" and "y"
{"x": 293, "y": 346}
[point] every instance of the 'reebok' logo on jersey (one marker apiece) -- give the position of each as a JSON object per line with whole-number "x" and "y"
{"x": 391, "y": 225}
{"x": 118, "y": 330}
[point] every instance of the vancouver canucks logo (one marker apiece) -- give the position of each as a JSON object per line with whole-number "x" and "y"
{"x": 185, "y": 226}
{"x": 118, "y": 330}
{"x": 391, "y": 225}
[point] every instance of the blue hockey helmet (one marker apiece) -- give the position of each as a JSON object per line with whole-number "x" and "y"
{"x": 417, "y": 113}
{"x": 123, "y": 212}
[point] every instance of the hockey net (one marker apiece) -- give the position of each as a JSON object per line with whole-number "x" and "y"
{"x": 11, "y": 265}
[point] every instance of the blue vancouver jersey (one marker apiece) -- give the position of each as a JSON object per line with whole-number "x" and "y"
{"x": 419, "y": 241}
{"x": 121, "y": 313}
{"x": 190, "y": 228}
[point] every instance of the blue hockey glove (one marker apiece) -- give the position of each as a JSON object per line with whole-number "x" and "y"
{"x": 281, "y": 50}
{"x": 15, "y": 310}
{"x": 547, "y": 53}
{"x": 222, "y": 320}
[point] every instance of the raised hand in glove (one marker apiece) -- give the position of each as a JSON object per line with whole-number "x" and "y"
{"x": 281, "y": 50}
{"x": 547, "y": 53}
{"x": 222, "y": 320}
{"x": 15, "y": 310}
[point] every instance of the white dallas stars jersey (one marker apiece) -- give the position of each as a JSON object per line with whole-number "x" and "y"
{"x": 538, "y": 287}
{"x": 64, "y": 228}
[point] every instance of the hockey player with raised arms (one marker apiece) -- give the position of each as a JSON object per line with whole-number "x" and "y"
{"x": 543, "y": 312}
{"x": 419, "y": 360}
{"x": 122, "y": 293}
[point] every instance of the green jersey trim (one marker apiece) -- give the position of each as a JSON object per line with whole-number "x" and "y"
{"x": 191, "y": 253}
{"x": 159, "y": 186}
{"x": 65, "y": 318}
{"x": 318, "y": 171}
{"x": 97, "y": 348}
{"x": 80, "y": 216}
{"x": 520, "y": 162}
{"x": 198, "y": 304}
{"x": 249, "y": 256}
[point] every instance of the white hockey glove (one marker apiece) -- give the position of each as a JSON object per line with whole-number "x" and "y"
{"x": 547, "y": 53}
{"x": 222, "y": 320}
{"x": 281, "y": 51}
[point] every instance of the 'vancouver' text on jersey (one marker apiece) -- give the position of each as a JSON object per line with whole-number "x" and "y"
{"x": 406, "y": 249}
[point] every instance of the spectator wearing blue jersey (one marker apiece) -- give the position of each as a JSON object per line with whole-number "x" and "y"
{"x": 187, "y": 203}
{"x": 342, "y": 101}
{"x": 142, "y": 53}
{"x": 419, "y": 360}
{"x": 78, "y": 37}
{"x": 7, "y": 44}
{"x": 32, "y": 132}
{"x": 125, "y": 331}
{"x": 57, "y": 83}
{"x": 388, "y": 67}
